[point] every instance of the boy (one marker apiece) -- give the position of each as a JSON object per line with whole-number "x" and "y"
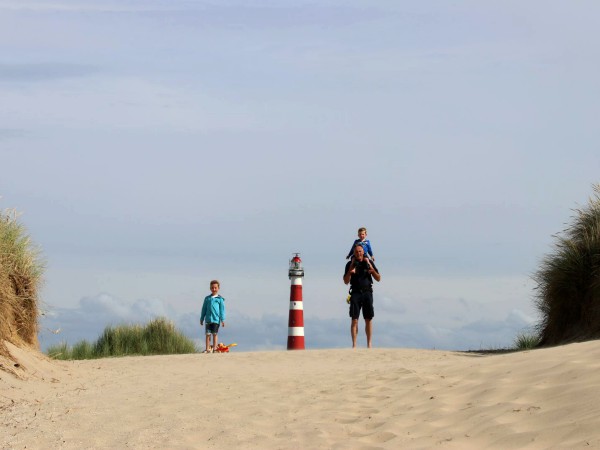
{"x": 364, "y": 243}
{"x": 213, "y": 309}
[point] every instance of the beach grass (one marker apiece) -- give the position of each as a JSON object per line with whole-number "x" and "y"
{"x": 568, "y": 281}
{"x": 21, "y": 269}
{"x": 526, "y": 341}
{"x": 158, "y": 337}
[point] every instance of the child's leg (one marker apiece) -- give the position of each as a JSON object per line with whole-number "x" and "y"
{"x": 215, "y": 340}
{"x": 207, "y": 342}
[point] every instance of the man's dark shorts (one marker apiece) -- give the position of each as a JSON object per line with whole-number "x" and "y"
{"x": 362, "y": 300}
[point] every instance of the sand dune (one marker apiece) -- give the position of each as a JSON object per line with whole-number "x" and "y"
{"x": 338, "y": 399}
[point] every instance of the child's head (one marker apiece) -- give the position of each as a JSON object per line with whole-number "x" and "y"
{"x": 215, "y": 286}
{"x": 362, "y": 233}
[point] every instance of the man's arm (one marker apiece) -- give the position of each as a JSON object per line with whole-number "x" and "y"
{"x": 373, "y": 271}
{"x": 348, "y": 274}
{"x": 375, "y": 275}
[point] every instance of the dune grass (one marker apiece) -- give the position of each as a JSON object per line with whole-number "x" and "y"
{"x": 568, "y": 281}
{"x": 21, "y": 269}
{"x": 158, "y": 337}
{"x": 526, "y": 341}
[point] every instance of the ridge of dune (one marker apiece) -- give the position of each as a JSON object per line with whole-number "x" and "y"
{"x": 379, "y": 398}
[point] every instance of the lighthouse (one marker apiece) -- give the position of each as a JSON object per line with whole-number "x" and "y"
{"x": 296, "y": 320}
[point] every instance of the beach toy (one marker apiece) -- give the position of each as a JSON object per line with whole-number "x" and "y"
{"x": 222, "y": 348}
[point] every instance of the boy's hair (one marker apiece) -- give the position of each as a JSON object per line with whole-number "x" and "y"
{"x": 215, "y": 282}
{"x": 362, "y": 229}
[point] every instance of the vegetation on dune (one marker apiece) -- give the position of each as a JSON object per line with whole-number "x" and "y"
{"x": 526, "y": 341}
{"x": 158, "y": 337}
{"x": 568, "y": 281}
{"x": 21, "y": 270}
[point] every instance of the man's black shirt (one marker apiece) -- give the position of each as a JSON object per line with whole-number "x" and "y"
{"x": 362, "y": 279}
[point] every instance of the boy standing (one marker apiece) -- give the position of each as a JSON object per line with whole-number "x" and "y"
{"x": 364, "y": 243}
{"x": 213, "y": 310}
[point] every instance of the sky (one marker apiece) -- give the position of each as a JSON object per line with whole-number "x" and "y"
{"x": 152, "y": 146}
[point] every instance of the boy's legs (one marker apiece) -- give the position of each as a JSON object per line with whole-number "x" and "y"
{"x": 211, "y": 329}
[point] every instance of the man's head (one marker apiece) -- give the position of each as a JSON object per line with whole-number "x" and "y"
{"x": 215, "y": 286}
{"x": 359, "y": 252}
{"x": 362, "y": 233}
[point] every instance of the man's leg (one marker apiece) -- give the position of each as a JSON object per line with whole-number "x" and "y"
{"x": 354, "y": 331}
{"x": 368, "y": 331}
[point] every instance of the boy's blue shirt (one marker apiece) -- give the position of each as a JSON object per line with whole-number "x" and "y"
{"x": 366, "y": 245}
{"x": 213, "y": 309}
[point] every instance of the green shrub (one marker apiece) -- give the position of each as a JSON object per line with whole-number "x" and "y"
{"x": 158, "y": 337}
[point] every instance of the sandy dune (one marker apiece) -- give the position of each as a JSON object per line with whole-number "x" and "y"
{"x": 339, "y": 399}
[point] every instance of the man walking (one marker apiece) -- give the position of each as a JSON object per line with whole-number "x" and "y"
{"x": 359, "y": 273}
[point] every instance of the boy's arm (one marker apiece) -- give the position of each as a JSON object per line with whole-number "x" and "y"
{"x": 222, "y": 311}
{"x": 203, "y": 313}
{"x": 351, "y": 249}
{"x": 369, "y": 249}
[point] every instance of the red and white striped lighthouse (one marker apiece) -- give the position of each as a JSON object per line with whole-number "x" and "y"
{"x": 296, "y": 321}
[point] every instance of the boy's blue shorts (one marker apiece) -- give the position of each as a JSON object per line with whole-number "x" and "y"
{"x": 212, "y": 328}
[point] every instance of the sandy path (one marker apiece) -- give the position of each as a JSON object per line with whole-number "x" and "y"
{"x": 340, "y": 399}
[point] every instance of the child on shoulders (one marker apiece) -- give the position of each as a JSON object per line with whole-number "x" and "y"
{"x": 364, "y": 243}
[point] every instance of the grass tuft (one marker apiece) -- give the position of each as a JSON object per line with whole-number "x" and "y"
{"x": 526, "y": 341}
{"x": 158, "y": 337}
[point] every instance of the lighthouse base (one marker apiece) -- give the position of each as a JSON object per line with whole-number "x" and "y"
{"x": 295, "y": 343}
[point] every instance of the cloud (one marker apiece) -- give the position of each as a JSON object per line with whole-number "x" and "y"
{"x": 44, "y": 71}
{"x": 11, "y": 133}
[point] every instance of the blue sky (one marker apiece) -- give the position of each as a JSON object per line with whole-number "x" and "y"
{"x": 153, "y": 146}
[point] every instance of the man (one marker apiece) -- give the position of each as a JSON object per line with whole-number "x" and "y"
{"x": 359, "y": 273}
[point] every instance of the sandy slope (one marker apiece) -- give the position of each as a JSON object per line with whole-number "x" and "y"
{"x": 383, "y": 398}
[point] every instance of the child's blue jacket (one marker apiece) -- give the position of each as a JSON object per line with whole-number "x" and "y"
{"x": 366, "y": 245}
{"x": 213, "y": 309}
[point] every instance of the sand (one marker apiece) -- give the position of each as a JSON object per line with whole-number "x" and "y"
{"x": 335, "y": 399}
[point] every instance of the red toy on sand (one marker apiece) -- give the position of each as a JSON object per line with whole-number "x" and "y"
{"x": 222, "y": 348}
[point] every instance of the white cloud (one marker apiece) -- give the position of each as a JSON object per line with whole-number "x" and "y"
{"x": 35, "y": 72}
{"x": 119, "y": 103}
